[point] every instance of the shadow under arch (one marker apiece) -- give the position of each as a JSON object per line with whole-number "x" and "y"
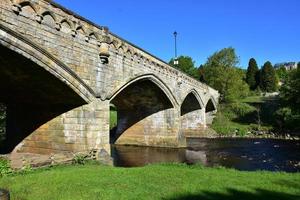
{"x": 210, "y": 110}
{"x": 153, "y": 78}
{"x": 21, "y": 45}
{"x": 145, "y": 97}
{"x": 35, "y": 87}
{"x": 192, "y": 115}
{"x": 211, "y": 105}
{"x": 191, "y": 102}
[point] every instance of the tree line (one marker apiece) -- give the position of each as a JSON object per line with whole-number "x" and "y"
{"x": 264, "y": 78}
{"x": 222, "y": 72}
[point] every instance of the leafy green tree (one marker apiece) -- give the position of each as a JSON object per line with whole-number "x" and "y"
{"x": 268, "y": 79}
{"x": 288, "y": 116}
{"x": 282, "y": 73}
{"x": 221, "y": 72}
{"x": 187, "y": 65}
{"x": 251, "y": 76}
{"x": 224, "y": 58}
{"x": 290, "y": 90}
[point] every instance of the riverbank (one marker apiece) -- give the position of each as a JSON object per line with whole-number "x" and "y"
{"x": 250, "y": 136}
{"x": 253, "y": 116}
{"x": 164, "y": 181}
{"x": 210, "y": 133}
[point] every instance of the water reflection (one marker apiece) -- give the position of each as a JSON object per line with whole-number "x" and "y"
{"x": 242, "y": 154}
{"x": 133, "y": 156}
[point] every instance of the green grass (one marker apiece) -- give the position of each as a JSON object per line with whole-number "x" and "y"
{"x": 254, "y": 99}
{"x": 113, "y": 119}
{"x": 164, "y": 181}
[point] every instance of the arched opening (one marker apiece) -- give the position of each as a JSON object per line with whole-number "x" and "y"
{"x": 144, "y": 112}
{"x": 210, "y": 106}
{"x": 189, "y": 104}
{"x": 31, "y": 97}
{"x": 210, "y": 110}
{"x": 192, "y": 115}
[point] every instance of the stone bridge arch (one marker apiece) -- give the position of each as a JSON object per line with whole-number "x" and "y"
{"x": 210, "y": 110}
{"x": 151, "y": 77}
{"x": 147, "y": 113}
{"x": 28, "y": 49}
{"x": 192, "y": 114}
{"x": 34, "y": 84}
{"x": 196, "y": 95}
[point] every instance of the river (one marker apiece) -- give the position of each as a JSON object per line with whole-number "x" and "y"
{"x": 239, "y": 153}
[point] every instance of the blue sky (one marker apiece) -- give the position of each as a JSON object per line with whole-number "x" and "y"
{"x": 263, "y": 29}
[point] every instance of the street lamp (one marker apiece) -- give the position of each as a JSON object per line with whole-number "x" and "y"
{"x": 176, "y": 59}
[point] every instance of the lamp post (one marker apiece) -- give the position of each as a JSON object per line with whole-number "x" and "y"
{"x": 176, "y": 59}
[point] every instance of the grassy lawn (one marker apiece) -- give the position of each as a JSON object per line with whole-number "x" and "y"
{"x": 164, "y": 181}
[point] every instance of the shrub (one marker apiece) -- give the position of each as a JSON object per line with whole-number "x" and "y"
{"x": 286, "y": 119}
{"x": 4, "y": 167}
{"x": 80, "y": 158}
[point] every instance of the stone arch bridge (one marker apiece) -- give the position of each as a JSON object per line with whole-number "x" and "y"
{"x": 60, "y": 73}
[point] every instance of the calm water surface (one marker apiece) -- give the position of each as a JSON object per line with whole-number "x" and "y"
{"x": 241, "y": 154}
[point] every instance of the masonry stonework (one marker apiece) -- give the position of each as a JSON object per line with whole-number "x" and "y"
{"x": 73, "y": 69}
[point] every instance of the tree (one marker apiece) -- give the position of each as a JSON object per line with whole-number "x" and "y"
{"x": 223, "y": 58}
{"x": 288, "y": 116}
{"x": 290, "y": 90}
{"x": 221, "y": 73}
{"x": 282, "y": 73}
{"x": 187, "y": 65}
{"x": 252, "y": 74}
{"x": 268, "y": 79}
{"x": 201, "y": 73}
{"x": 298, "y": 65}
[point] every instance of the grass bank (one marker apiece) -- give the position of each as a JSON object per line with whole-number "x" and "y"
{"x": 251, "y": 115}
{"x": 164, "y": 181}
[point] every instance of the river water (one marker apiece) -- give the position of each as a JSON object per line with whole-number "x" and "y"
{"x": 241, "y": 154}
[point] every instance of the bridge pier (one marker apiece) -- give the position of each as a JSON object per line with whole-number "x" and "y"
{"x": 85, "y": 128}
{"x": 79, "y": 130}
{"x": 193, "y": 123}
{"x": 160, "y": 129}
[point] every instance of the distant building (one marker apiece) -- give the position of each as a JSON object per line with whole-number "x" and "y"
{"x": 286, "y": 65}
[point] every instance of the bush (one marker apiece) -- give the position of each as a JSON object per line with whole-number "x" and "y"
{"x": 221, "y": 125}
{"x": 80, "y": 158}
{"x": 286, "y": 119}
{"x": 5, "y": 167}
